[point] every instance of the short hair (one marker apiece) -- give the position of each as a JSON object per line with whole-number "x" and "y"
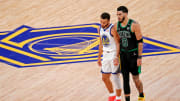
{"x": 105, "y": 15}
{"x": 123, "y": 9}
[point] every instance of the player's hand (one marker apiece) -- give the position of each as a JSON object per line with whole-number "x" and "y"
{"x": 99, "y": 62}
{"x": 139, "y": 62}
{"x": 116, "y": 61}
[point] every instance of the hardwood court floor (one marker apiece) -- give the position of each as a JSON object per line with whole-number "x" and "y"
{"x": 159, "y": 19}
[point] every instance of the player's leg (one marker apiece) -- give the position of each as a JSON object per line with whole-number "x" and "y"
{"x": 108, "y": 84}
{"x": 116, "y": 79}
{"x": 106, "y": 73}
{"x": 138, "y": 84}
{"x": 136, "y": 70}
{"x": 125, "y": 75}
{"x": 117, "y": 85}
{"x": 126, "y": 85}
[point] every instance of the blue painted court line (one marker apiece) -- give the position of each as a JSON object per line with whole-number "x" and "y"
{"x": 32, "y": 47}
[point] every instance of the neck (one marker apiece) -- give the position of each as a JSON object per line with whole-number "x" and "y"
{"x": 124, "y": 23}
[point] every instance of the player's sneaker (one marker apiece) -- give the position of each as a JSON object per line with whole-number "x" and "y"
{"x": 141, "y": 98}
{"x": 111, "y": 98}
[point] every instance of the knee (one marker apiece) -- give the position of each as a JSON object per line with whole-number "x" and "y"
{"x": 136, "y": 80}
{"x": 115, "y": 77}
{"x": 116, "y": 80}
{"x": 126, "y": 78}
{"x": 127, "y": 89}
{"x": 126, "y": 81}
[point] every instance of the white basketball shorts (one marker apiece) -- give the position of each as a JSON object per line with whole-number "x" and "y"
{"x": 107, "y": 63}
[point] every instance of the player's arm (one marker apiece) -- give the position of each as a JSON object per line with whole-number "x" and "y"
{"x": 100, "y": 49}
{"x": 116, "y": 38}
{"x": 139, "y": 38}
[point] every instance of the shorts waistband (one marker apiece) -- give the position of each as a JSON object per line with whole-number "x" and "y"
{"x": 132, "y": 50}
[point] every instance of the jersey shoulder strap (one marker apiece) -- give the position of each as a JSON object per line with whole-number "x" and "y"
{"x": 111, "y": 25}
{"x": 130, "y": 21}
{"x": 129, "y": 25}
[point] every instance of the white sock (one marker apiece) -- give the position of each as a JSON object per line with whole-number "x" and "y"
{"x": 118, "y": 97}
{"x": 112, "y": 94}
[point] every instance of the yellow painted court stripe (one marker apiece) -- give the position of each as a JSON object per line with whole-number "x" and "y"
{"x": 51, "y": 29}
{"x": 3, "y": 33}
{"x": 160, "y": 45}
{"x": 15, "y": 34}
{"x": 75, "y": 60}
{"x": 160, "y": 52}
{"x": 7, "y": 39}
{"x": 23, "y": 52}
{"x": 12, "y": 61}
{"x": 43, "y": 63}
{"x": 52, "y": 62}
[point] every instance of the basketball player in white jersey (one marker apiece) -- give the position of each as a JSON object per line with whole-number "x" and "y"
{"x": 109, "y": 48}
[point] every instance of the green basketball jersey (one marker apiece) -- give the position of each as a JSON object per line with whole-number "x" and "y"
{"x": 128, "y": 41}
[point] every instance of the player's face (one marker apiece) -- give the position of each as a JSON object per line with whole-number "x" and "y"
{"x": 104, "y": 23}
{"x": 121, "y": 16}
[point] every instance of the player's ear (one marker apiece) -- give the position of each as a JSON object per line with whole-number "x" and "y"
{"x": 126, "y": 14}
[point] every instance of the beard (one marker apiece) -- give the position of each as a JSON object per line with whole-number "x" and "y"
{"x": 105, "y": 26}
{"x": 122, "y": 20}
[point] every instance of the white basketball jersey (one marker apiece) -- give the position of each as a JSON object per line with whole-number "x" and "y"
{"x": 108, "y": 41}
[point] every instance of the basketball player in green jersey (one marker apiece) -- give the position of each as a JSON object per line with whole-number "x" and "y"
{"x": 131, "y": 46}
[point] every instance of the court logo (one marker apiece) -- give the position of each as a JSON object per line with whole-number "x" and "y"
{"x": 30, "y": 47}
